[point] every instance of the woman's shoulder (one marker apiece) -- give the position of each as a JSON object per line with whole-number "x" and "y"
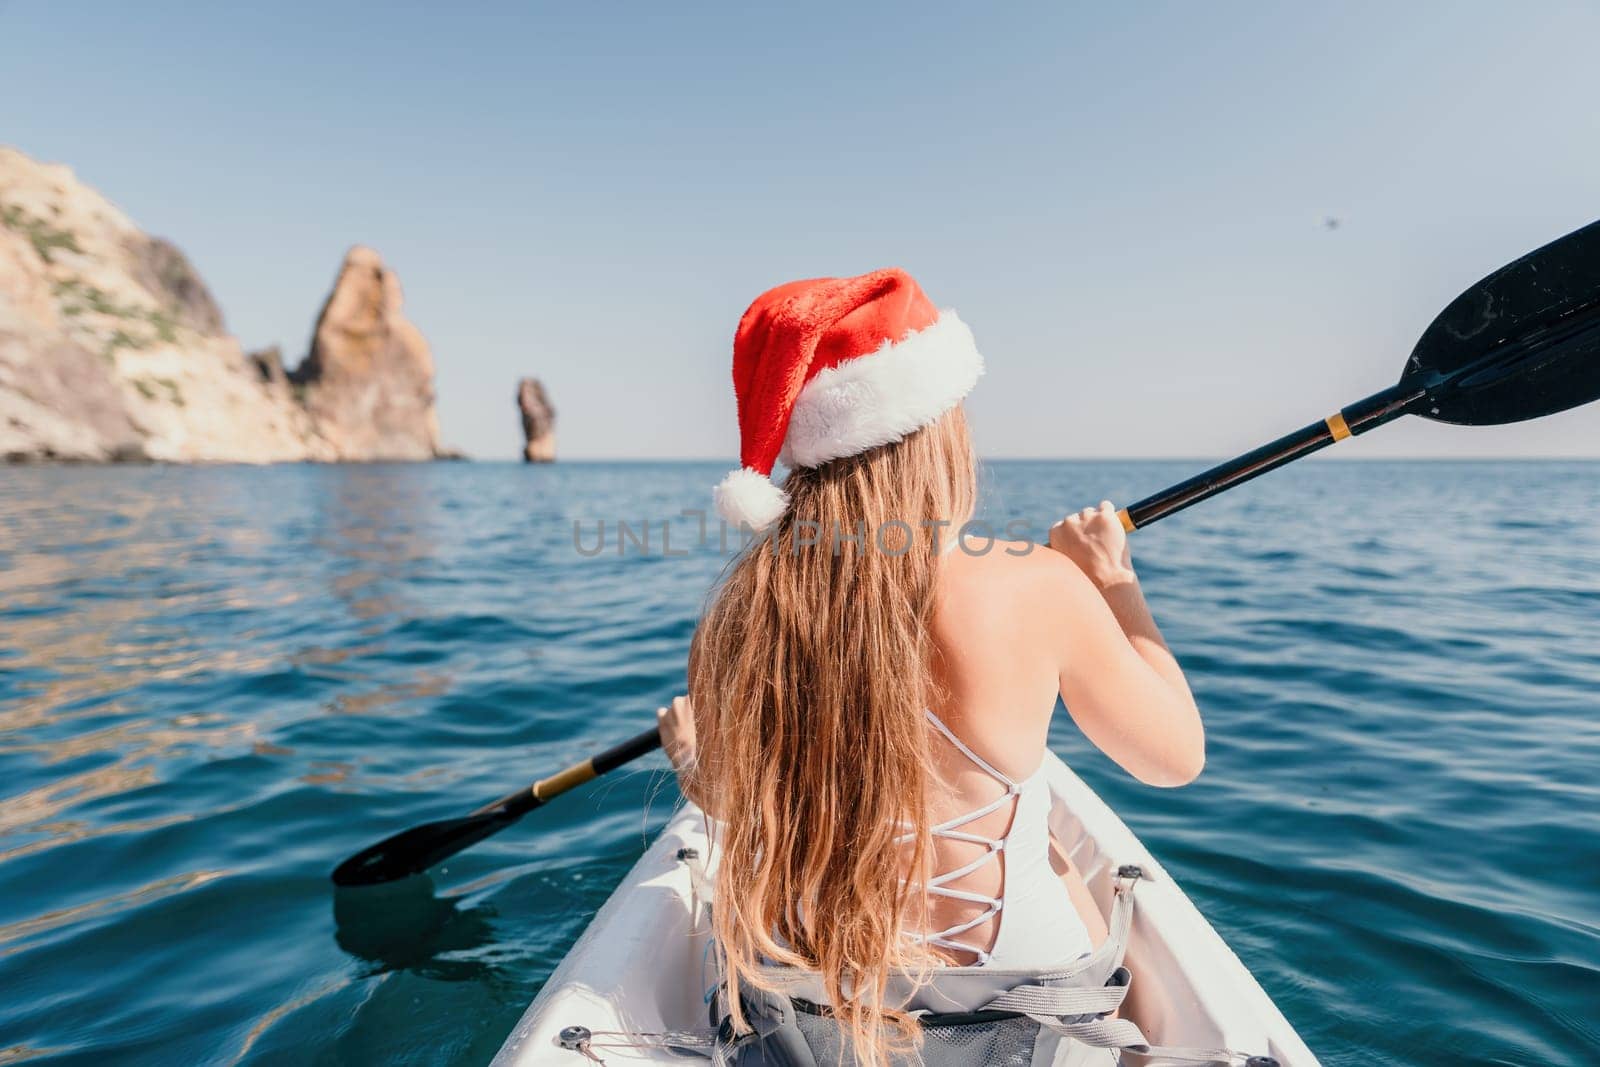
{"x": 1012, "y": 574}
{"x": 1023, "y": 562}
{"x": 1000, "y": 626}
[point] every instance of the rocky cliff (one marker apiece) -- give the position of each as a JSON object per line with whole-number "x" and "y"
{"x": 538, "y": 422}
{"x": 112, "y": 347}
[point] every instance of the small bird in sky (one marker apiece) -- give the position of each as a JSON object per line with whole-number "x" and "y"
{"x": 1330, "y": 223}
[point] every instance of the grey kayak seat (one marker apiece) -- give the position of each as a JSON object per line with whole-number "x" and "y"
{"x": 968, "y": 1015}
{"x": 1058, "y": 1017}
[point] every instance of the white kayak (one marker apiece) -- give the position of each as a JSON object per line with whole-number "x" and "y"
{"x": 643, "y": 966}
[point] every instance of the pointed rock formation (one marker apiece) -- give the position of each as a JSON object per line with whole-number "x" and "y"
{"x": 538, "y": 422}
{"x": 368, "y": 382}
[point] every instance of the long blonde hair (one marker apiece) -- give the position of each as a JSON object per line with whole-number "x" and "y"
{"x": 809, "y": 677}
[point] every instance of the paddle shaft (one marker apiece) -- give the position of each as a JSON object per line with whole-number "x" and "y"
{"x": 525, "y": 800}
{"x": 1368, "y": 414}
{"x": 1363, "y": 415}
{"x": 1357, "y": 418}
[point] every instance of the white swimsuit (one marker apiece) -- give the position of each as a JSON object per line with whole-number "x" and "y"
{"x": 1038, "y": 923}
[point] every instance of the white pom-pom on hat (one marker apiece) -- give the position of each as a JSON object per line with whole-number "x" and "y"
{"x": 749, "y": 498}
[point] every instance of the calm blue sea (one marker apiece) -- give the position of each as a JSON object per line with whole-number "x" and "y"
{"x": 217, "y": 682}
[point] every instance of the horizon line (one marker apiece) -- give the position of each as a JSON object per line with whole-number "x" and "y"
{"x": 732, "y": 462}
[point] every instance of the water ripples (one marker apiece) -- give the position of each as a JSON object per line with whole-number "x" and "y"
{"x": 216, "y": 682}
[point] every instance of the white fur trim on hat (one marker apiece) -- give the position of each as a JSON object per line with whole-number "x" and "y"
{"x": 875, "y": 399}
{"x": 749, "y": 498}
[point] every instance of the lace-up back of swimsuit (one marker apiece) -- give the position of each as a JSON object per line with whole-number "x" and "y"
{"x": 1031, "y": 922}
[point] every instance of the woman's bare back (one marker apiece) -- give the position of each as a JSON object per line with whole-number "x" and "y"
{"x": 1006, "y": 628}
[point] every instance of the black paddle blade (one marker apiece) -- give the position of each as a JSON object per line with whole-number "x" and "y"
{"x": 415, "y": 850}
{"x": 1522, "y": 343}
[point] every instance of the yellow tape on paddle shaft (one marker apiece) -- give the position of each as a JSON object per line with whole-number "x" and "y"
{"x": 1336, "y": 426}
{"x": 560, "y": 782}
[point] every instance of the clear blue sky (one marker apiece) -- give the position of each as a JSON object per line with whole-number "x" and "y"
{"x": 1124, "y": 200}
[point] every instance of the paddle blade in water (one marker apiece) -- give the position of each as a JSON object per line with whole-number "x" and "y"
{"x": 415, "y": 850}
{"x": 1522, "y": 343}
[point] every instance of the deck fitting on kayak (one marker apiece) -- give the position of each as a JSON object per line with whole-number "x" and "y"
{"x": 1261, "y": 1061}
{"x": 576, "y": 1038}
{"x": 1134, "y": 872}
{"x": 686, "y": 854}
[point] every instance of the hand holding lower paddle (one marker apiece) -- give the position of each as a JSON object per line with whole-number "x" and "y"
{"x": 676, "y": 724}
{"x": 1522, "y": 343}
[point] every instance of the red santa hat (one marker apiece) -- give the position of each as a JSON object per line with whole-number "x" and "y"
{"x": 833, "y": 367}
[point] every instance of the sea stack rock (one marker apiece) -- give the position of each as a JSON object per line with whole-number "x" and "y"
{"x": 368, "y": 381}
{"x": 538, "y": 422}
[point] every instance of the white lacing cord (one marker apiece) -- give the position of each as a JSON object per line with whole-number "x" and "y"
{"x": 950, "y": 830}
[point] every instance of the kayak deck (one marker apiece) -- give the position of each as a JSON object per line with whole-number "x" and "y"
{"x": 644, "y": 963}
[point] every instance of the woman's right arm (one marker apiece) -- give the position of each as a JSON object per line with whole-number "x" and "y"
{"x": 1120, "y": 682}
